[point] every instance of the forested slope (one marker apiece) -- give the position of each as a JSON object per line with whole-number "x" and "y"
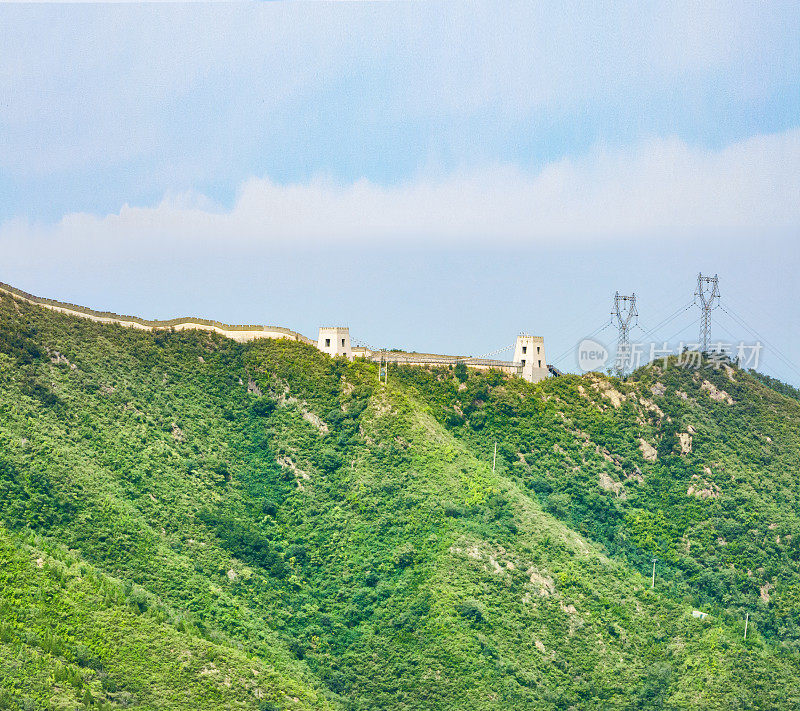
{"x": 191, "y": 522}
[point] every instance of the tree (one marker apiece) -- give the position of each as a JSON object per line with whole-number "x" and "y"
{"x": 668, "y": 440}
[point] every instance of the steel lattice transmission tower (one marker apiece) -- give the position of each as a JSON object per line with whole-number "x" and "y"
{"x": 708, "y": 294}
{"x": 625, "y": 314}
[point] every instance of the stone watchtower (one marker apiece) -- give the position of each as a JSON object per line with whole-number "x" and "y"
{"x": 529, "y": 353}
{"x": 335, "y": 340}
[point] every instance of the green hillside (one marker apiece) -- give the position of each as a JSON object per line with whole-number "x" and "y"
{"x": 187, "y": 522}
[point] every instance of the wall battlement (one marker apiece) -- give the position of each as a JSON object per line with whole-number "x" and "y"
{"x": 529, "y": 360}
{"x": 242, "y": 334}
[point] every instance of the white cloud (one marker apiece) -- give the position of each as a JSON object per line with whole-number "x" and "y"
{"x": 170, "y": 86}
{"x": 662, "y": 187}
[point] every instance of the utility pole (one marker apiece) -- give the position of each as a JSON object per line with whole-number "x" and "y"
{"x": 746, "y": 620}
{"x": 625, "y": 314}
{"x": 708, "y": 293}
{"x": 383, "y": 368}
{"x": 654, "y": 574}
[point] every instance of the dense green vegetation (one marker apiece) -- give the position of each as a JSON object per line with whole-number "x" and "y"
{"x": 186, "y": 522}
{"x": 720, "y": 513}
{"x": 777, "y": 385}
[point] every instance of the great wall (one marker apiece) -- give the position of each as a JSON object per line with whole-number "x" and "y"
{"x": 529, "y": 357}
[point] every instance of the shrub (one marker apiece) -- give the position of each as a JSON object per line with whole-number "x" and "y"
{"x": 328, "y": 460}
{"x": 405, "y": 555}
{"x": 297, "y": 551}
{"x": 478, "y": 420}
{"x": 453, "y": 419}
{"x": 559, "y": 504}
{"x": 452, "y": 510}
{"x": 470, "y": 610}
{"x": 263, "y": 407}
{"x": 669, "y": 440}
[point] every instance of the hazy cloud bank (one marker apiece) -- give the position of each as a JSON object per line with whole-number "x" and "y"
{"x": 659, "y": 187}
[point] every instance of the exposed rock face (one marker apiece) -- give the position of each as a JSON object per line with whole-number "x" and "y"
{"x": 60, "y": 359}
{"x": 607, "y": 483}
{"x": 702, "y": 488}
{"x": 716, "y": 394}
{"x": 316, "y": 421}
{"x": 300, "y": 476}
{"x": 253, "y": 388}
{"x": 616, "y": 397}
{"x": 648, "y": 450}
{"x": 764, "y": 591}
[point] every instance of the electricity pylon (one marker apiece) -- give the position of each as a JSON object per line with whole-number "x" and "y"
{"x": 625, "y": 314}
{"x": 708, "y": 293}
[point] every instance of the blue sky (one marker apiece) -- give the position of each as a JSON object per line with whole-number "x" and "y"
{"x": 438, "y": 176}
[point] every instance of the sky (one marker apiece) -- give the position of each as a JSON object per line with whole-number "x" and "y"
{"x": 437, "y": 176}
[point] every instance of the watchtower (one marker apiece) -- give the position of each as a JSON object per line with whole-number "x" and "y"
{"x": 529, "y": 353}
{"x": 335, "y": 340}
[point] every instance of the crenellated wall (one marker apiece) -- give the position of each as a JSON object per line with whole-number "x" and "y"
{"x": 333, "y": 340}
{"x": 242, "y": 334}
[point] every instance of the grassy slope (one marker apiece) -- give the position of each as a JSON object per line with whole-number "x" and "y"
{"x": 72, "y": 636}
{"x": 269, "y": 497}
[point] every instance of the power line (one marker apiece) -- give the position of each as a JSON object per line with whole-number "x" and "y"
{"x": 722, "y": 326}
{"x": 707, "y": 297}
{"x": 741, "y": 322}
{"x": 682, "y": 329}
{"x": 489, "y": 355}
{"x": 744, "y": 324}
{"x": 667, "y": 320}
{"x": 761, "y": 365}
{"x": 591, "y": 335}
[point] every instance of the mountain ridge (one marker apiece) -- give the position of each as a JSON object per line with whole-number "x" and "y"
{"x": 350, "y": 540}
